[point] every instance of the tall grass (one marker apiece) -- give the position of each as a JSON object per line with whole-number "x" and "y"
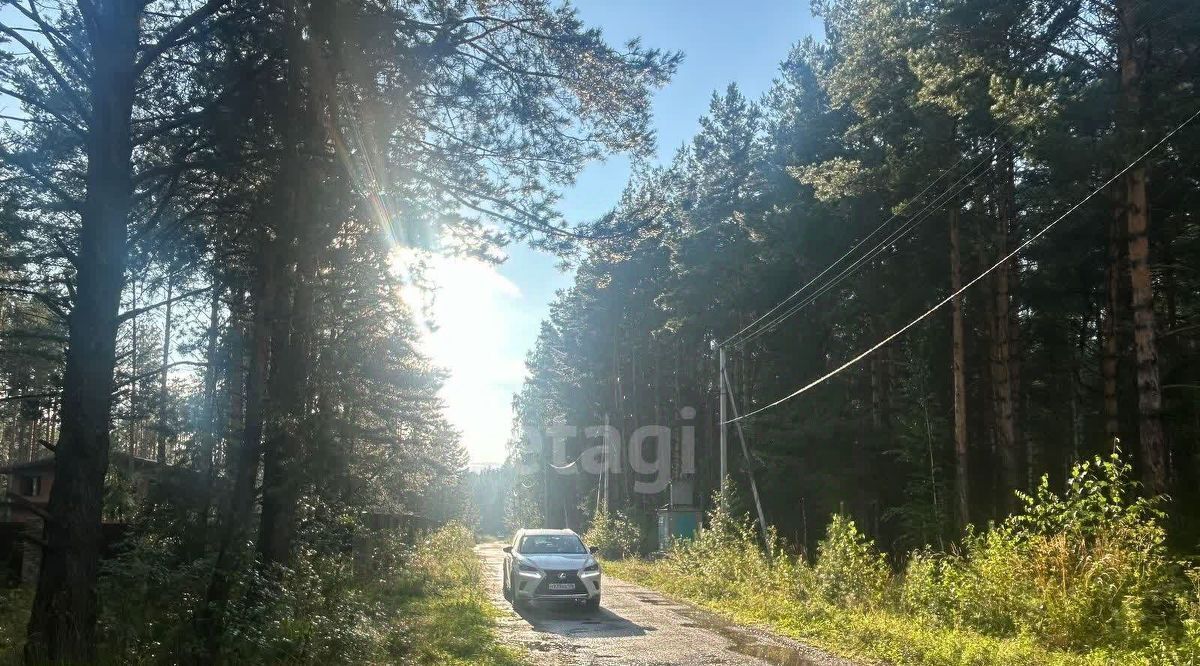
{"x": 1081, "y": 577}
{"x": 445, "y": 616}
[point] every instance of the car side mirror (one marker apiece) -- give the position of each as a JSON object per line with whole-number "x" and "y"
{"x": 508, "y": 549}
{"x": 593, "y": 549}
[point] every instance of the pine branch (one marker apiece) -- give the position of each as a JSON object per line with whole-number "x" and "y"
{"x": 175, "y": 35}
{"x": 130, "y": 314}
{"x": 67, "y": 89}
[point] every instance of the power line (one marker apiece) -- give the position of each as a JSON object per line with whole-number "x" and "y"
{"x": 871, "y": 254}
{"x": 857, "y": 245}
{"x": 974, "y": 280}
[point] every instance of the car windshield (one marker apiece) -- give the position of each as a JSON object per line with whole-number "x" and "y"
{"x": 551, "y": 544}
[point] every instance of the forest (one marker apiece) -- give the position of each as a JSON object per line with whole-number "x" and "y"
{"x": 208, "y": 210}
{"x": 223, "y": 442}
{"x": 915, "y": 147}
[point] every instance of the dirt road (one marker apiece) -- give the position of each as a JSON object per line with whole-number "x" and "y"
{"x": 638, "y": 626}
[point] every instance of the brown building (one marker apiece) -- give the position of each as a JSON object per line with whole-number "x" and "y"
{"x": 27, "y": 497}
{"x": 29, "y": 484}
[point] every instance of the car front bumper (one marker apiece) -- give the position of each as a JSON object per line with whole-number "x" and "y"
{"x": 529, "y": 588}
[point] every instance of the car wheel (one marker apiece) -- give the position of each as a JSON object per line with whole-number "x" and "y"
{"x": 507, "y": 590}
{"x": 593, "y": 603}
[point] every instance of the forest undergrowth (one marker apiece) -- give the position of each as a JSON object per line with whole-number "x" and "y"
{"x": 422, "y": 604}
{"x": 1078, "y": 577}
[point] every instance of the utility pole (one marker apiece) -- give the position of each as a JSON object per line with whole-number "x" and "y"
{"x": 762, "y": 519}
{"x": 604, "y": 470}
{"x": 723, "y": 389}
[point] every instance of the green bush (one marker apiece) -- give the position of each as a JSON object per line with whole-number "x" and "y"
{"x": 1082, "y": 570}
{"x": 614, "y": 534}
{"x": 1078, "y": 577}
{"x": 421, "y": 605}
{"x": 849, "y": 570}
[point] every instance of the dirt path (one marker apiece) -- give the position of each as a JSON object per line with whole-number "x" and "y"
{"x": 638, "y": 626}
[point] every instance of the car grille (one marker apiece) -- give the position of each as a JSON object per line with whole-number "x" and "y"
{"x": 560, "y": 577}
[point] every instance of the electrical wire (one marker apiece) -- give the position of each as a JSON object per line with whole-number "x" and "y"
{"x": 857, "y": 245}
{"x": 1003, "y": 261}
{"x": 894, "y": 236}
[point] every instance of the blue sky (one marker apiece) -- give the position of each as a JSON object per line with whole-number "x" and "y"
{"x": 489, "y": 317}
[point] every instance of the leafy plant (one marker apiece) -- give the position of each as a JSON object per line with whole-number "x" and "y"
{"x": 849, "y": 570}
{"x": 614, "y": 534}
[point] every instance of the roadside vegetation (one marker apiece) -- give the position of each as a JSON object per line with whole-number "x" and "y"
{"x": 415, "y": 605}
{"x": 614, "y": 534}
{"x": 1081, "y": 577}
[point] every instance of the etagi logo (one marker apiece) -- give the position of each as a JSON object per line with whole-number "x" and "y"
{"x": 607, "y": 454}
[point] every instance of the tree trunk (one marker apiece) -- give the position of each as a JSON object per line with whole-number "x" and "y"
{"x": 209, "y": 434}
{"x": 282, "y": 476}
{"x": 161, "y": 450}
{"x": 245, "y": 466}
{"x": 62, "y": 624}
{"x": 1137, "y": 219}
{"x": 288, "y": 389}
{"x": 1007, "y": 444}
{"x": 957, "y": 367}
{"x": 131, "y": 445}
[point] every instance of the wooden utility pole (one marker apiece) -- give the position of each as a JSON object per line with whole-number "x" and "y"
{"x": 957, "y": 365}
{"x": 762, "y": 520}
{"x": 721, "y": 417}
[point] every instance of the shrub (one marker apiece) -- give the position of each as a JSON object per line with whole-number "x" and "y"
{"x": 614, "y": 534}
{"x": 723, "y": 556}
{"x": 1084, "y": 569}
{"x": 1078, "y": 577}
{"x": 849, "y": 570}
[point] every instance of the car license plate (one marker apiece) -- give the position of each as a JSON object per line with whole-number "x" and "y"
{"x": 562, "y": 586}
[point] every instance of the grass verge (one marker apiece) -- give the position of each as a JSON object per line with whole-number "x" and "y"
{"x": 871, "y": 635}
{"x": 445, "y": 616}
{"x": 1081, "y": 577}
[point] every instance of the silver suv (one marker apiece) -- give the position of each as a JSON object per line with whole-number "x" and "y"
{"x": 550, "y": 565}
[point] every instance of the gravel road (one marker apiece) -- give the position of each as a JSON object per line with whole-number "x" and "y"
{"x": 638, "y": 626}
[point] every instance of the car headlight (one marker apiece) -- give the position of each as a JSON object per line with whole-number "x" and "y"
{"x": 592, "y": 569}
{"x": 528, "y": 570}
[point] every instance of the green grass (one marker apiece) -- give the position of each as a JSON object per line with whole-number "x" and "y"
{"x": 457, "y": 627}
{"x": 445, "y": 616}
{"x": 14, "y": 612}
{"x": 871, "y": 635}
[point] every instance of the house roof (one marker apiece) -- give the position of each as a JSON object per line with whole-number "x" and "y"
{"x": 47, "y": 463}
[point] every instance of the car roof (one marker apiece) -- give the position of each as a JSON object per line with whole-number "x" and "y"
{"x": 544, "y": 532}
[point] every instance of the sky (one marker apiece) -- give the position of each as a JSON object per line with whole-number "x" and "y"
{"x": 488, "y": 317}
